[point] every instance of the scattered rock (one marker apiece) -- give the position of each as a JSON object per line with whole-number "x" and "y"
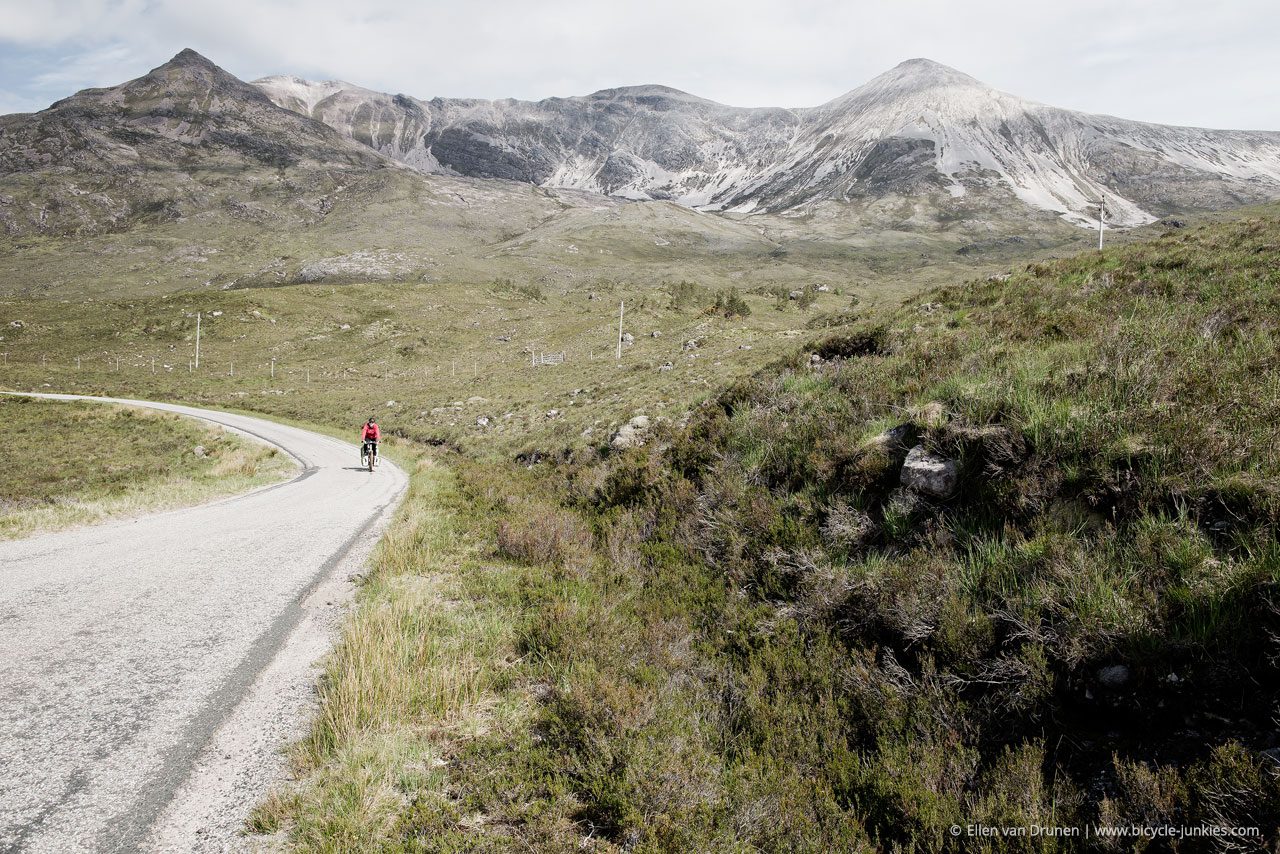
{"x": 666, "y": 366}
{"x": 822, "y": 289}
{"x": 1113, "y": 676}
{"x": 745, "y": 347}
{"x": 796, "y": 294}
{"x": 199, "y": 451}
{"x": 215, "y": 314}
{"x": 633, "y": 434}
{"x": 692, "y": 344}
{"x": 16, "y": 324}
{"x": 390, "y": 404}
{"x": 628, "y": 339}
{"x": 344, "y": 327}
{"x": 655, "y": 334}
{"x": 482, "y": 421}
{"x": 815, "y": 359}
{"x": 930, "y": 307}
{"x": 553, "y": 413}
{"x": 1173, "y": 223}
{"x": 477, "y": 399}
{"x": 929, "y": 473}
{"x": 998, "y": 277}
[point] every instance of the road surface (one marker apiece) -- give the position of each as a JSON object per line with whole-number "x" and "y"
{"x": 151, "y": 668}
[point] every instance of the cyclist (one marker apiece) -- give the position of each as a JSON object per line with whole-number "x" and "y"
{"x": 370, "y": 435}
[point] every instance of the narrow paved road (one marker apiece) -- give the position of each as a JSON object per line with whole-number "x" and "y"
{"x": 124, "y": 646}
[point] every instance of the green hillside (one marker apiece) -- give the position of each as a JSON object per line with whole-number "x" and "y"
{"x": 752, "y": 633}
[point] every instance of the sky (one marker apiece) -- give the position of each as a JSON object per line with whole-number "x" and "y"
{"x": 1213, "y": 64}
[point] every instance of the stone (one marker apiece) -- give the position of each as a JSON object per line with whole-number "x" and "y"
{"x": 692, "y": 344}
{"x": 929, "y": 474}
{"x": 666, "y": 366}
{"x": 1113, "y": 676}
{"x": 16, "y": 324}
{"x": 390, "y": 404}
{"x": 633, "y": 434}
{"x": 199, "y": 451}
{"x": 553, "y": 413}
{"x": 655, "y": 334}
{"x": 795, "y": 294}
{"x": 628, "y": 339}
{"x": 482, "y": 421}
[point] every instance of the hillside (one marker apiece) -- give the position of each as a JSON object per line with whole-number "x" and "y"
{"x": 1004, "y": 556}
{"x": 1008, "y": 554}
{"x": 922, "y": 131}
{"x": 185, "y": 139}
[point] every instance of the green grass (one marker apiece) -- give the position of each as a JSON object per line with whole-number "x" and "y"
{"x": 745, "y": 636}
{"x": 802, "y": 655}
{"x": 68, "y": 463}
{"x": 444, "y": 368}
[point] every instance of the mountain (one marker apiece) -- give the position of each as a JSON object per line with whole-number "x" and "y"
{"x": 186, "y": 137}
{"x": 921, "y": 130}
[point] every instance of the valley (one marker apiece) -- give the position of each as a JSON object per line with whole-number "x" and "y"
{"x": 778, "y": 479}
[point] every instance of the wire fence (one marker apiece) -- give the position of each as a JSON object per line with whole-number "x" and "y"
{"x": 302, "y": 370}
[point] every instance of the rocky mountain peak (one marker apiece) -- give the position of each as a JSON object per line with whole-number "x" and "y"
{"x": 190, "y": 75}
{"x": 915, "y": 78}
{"x": 187, "y": 57}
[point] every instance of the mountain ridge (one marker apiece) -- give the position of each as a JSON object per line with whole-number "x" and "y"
{"x": 920, "y": 128}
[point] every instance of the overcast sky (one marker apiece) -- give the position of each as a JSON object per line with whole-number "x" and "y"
{"x": 1213, "y": 64}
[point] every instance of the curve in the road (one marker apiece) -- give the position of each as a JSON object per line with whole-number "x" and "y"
{"x": 127, "y": 644}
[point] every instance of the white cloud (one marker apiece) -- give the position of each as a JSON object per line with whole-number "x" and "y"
{"x": 1174, "y": 61}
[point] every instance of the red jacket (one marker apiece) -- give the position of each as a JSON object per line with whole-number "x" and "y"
{"x": 370, "y": 431}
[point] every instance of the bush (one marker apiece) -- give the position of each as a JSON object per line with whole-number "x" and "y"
{"x": 540, "y": 533}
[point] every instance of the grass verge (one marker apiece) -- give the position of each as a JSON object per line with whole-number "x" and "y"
{"x": 67, "y": 463}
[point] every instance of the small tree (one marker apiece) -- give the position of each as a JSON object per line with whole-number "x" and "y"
{"x": 731, "y": 304}
{"x": 683, "y": 294}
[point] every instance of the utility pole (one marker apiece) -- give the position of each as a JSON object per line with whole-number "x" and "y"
{"x": 1102, "y": 204}
{"x": 197, "y": 339}
{"x": 622, "y": 305}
